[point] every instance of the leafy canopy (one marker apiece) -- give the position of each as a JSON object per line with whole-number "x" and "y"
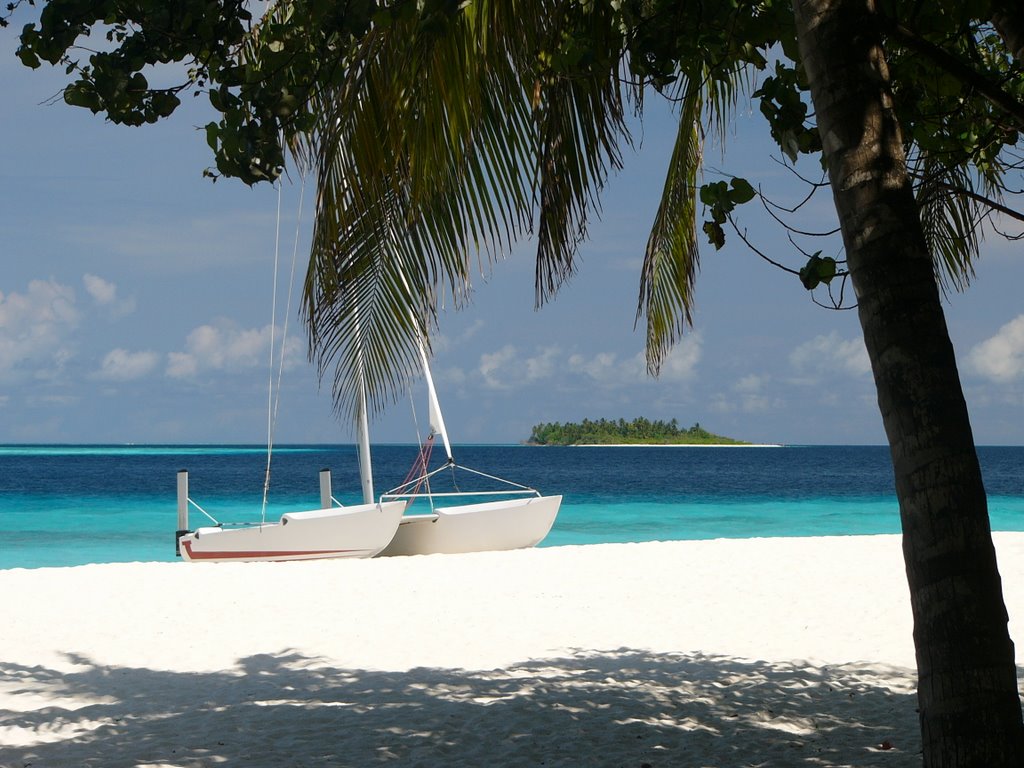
{"x": 442, "y": 131}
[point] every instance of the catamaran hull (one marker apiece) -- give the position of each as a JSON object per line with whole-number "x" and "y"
{"x": 491, "y": 526}
{"x": 357, "y": 531}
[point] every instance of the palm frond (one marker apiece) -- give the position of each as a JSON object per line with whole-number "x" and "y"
{"x": 951, "y": 220}
{"x": 440, "y": 145}
{"x": 671, "y": 261}
{"x": 580, "y": 123}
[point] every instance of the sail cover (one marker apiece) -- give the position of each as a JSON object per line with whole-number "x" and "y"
{"x": 436, "y": 418}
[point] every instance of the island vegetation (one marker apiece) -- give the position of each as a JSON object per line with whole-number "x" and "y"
{"x": 638, "y": 431}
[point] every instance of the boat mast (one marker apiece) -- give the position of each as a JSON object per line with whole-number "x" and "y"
{"x": 363, "y": 422}
{"x": 365, "y": 468}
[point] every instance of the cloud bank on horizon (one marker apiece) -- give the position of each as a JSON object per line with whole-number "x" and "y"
{"x": 64, "y": 340}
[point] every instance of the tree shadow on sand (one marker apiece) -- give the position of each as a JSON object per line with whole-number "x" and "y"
{"x": 618, "y": 708}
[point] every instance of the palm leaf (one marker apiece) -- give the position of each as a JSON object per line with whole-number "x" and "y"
{"x": 950, "y": 218}
{"x": 672, "y": 258}
{"x": 671, "y": 261}
{"x": 442, "y": 144}
{"x": 580, "y": 123}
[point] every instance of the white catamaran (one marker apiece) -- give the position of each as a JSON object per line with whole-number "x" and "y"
{"x": 513, "y": 517}
{"x": 356, "y": 531}
{"x": 361, "y": 530}
{"x": 328, "y": 532}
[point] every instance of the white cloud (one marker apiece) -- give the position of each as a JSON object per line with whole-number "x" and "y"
{"x": 472, "y": 330}
{"x": 1000, "y": 358}
{"x": 441, "y": 343}
{"x": 750, "y": 384}
{"x": 494, "y": 367}
{"x": 122, "y": 365}
{"x": 509, "y": 368}
{"x": 181, "y": 365}
{"x": 225, "y": 347}
{"x": 35, "y": 326}
{"x": 604, "y": 367}
{"x": 542, "y": 365}
{"x": 682, "y": 361}
{"x": 101, "y": 291}
{"x": 608, "y": 370}
{"x": 746, "y": 394}
{"x": 104, "y": 293}
{"x": 830, "y": 354}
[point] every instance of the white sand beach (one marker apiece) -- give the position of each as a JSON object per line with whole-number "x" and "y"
{"x": 771, "y": 652}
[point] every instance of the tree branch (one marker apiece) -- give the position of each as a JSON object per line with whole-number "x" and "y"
{"x": 750, "y": 245}
{"x": 951, "y": 64}
{"x": 979, "y": 198}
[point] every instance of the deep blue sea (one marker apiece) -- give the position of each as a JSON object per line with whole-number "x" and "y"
{"x": 70, "y": 505}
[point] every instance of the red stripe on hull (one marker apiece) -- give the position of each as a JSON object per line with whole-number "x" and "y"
{"x": 280, "y": 555}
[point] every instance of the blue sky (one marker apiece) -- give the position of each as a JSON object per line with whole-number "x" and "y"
{"x": 135, "y": 306}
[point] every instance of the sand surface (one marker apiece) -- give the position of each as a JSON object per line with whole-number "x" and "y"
{"x": 763, "y": 652}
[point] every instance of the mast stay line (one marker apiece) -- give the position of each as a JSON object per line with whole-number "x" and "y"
{"x": 274, "y": 395}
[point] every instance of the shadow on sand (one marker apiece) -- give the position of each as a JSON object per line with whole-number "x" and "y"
{"x": 620, "y": 708}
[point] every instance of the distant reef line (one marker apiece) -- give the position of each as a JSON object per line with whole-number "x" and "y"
{"x": 638, "y": 432}
{"x": 667, "y": 445}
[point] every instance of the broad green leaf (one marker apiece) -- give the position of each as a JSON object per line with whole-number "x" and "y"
{"x": 742, "y": 191}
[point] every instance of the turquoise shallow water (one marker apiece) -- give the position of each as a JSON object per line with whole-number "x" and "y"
{"x": 69, "y": 505}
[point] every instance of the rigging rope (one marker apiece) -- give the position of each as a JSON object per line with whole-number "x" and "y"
{"x": 423, "y": 447}
{"x": 418, "y": 470}
{"x": 274, "y": 397}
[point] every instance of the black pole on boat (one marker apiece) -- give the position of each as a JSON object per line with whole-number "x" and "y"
{"x": 325, "y": 489}
{"x": 182, "y": 510}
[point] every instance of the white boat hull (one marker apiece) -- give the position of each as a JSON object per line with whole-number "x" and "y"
{"x": 490, "y": 526}
{"x": 356, "y": 531}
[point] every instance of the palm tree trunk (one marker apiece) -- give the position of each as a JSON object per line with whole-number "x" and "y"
{"x": 967, "y": 690}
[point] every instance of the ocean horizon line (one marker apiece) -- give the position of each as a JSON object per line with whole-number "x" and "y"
{"x": 468, "y": 443}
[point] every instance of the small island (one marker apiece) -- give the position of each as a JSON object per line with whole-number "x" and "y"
{"x": 639, "y": 431}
